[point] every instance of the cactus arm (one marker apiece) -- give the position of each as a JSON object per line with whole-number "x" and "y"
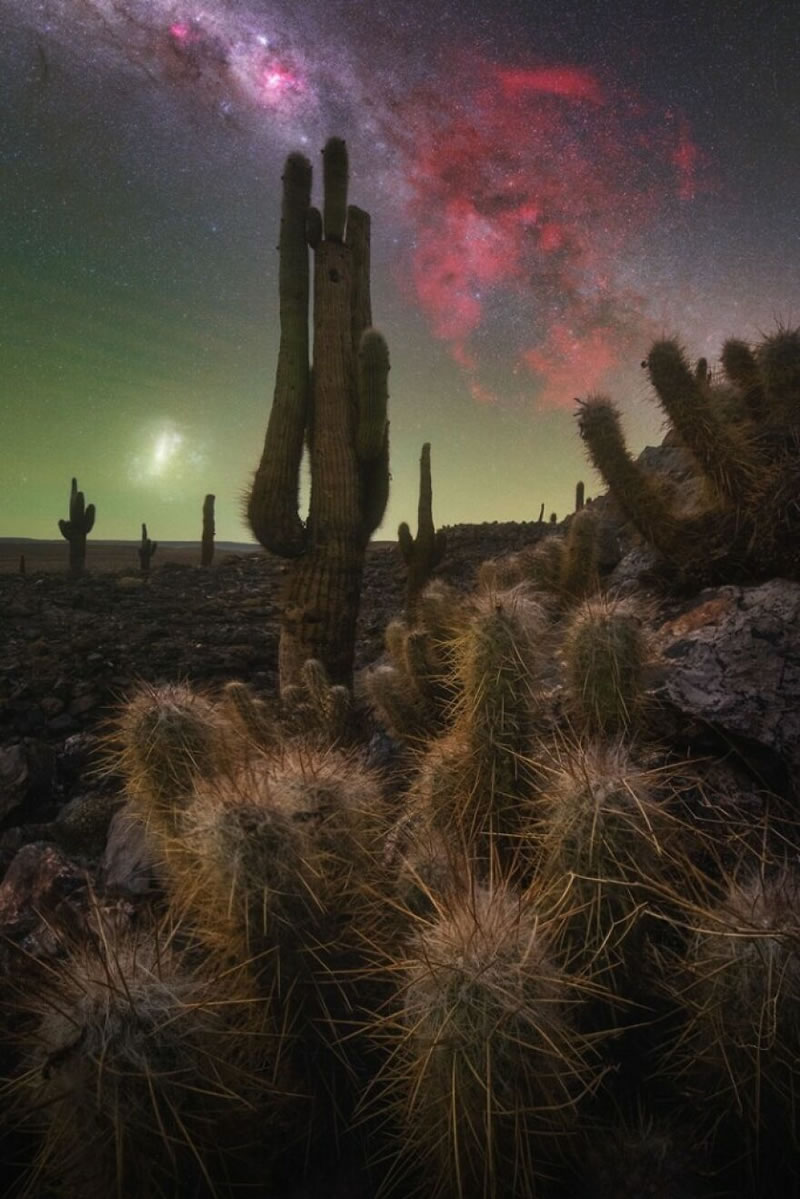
{"x": 147, "y": 549}
{"x": 372, "y": 394}
{"x": 272, "y": 504}
{"x": 358, "y": 239}
{"x": 637, "y": 495}
{"x": 740, "y": 366}
{"x": 374, "y": 479}
{"x": 406, "y": 539}
{"x": 76, "y": 504}
{"x": 335, "y": 174}
{"x": 313, "y": 227}
{"x": 727, "y": 458}
{"x": 372, "y": 428}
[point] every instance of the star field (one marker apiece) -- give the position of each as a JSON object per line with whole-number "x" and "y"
{"x": 551, "y": 187}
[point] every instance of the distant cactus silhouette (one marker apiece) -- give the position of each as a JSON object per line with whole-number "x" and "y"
{"x": 339, "y": 407}
{"x": 75, "y": 530}
{"x": 209, "y": 529}
{"x": 146, "y": 551}
{"x": 425, "y": 551}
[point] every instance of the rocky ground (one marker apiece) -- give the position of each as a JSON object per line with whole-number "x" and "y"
{"x": 70, "y": 650}
{"x": 725, "y": 685}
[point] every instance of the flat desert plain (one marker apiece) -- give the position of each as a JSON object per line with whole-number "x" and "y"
{"x": 116, "y": 556}
{"x": 103, "y": 556}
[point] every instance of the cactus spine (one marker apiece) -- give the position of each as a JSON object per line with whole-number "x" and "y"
{"x": 637, "y": 493}
{"x": 742, "y": 436}
{"x": 75, "y": 530}
{"x": 146, "y": 1075}
{"x": 425, "y": 551}
{"x": 486, "y": 1065}
{"x": 146, "y": 551}
{"x": 209, "y": 528}
{"x": 340, "y": 408}
{"x": 729, "y": 460}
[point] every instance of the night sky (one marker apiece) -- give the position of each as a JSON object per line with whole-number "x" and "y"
{"x": 552, "y": 184}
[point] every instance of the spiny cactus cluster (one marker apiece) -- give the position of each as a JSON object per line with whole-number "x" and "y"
{"x": 148, "y": 1066}
{"x": 451, "y": 988}
{"x": 742, "y": 436}
{"x": 537, "y": 788}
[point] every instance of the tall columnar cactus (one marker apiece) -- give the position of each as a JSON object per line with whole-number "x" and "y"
{"x": 75, "y": 530}
{"x": 147, "y": 549}
{"x": 338, "y": 408}
{"x": 209, "y": 529}
{"x": 425, "y": 551}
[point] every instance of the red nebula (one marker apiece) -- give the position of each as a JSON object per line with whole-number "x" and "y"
{"x": 276, "y": 79}
{"x": 526, "y": 187}
{"x": 558, "y": 81}
{"x": 686, "y": 157}
{"x": 195, "y": 52}
{"x": 570, "y": 364}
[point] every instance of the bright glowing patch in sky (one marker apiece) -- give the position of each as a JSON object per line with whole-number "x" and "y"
{"x": 168, "y": 457}
{"x": 165, "y": 450}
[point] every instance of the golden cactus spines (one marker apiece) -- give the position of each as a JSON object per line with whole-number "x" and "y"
{"x": 486, "y": 1067}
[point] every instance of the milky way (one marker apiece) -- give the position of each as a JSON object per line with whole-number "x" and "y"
{"x": 551, "y": 186}
{"x": 519, "y": 185}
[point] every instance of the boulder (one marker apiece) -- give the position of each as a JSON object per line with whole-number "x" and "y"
{"x": 27, "y": 771}
{"x": 731, "y": 658}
